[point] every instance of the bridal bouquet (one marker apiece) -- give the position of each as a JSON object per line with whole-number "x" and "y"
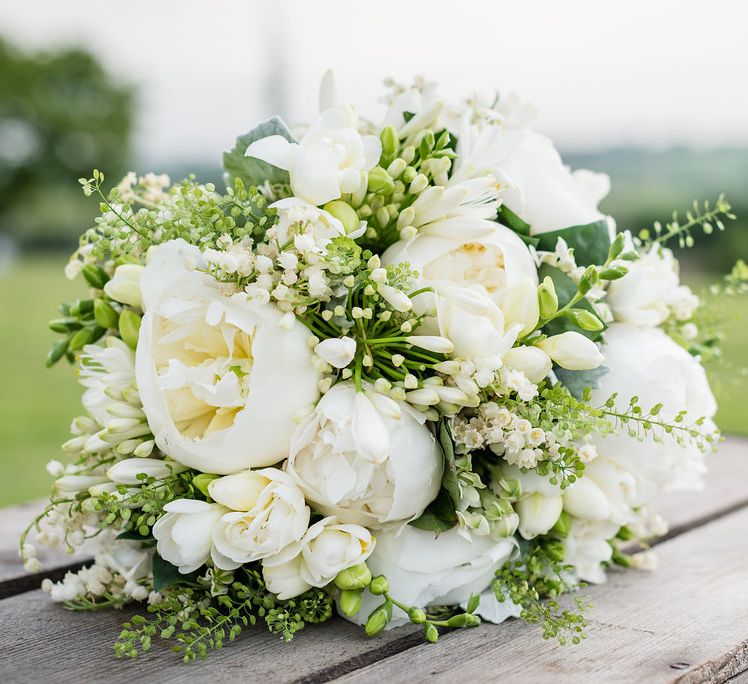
{"x": 403, "y": 371}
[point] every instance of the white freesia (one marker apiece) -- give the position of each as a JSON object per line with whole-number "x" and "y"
{"x": 356, "y": 459}
{"x": 646, "y": 363}
{"x": 271, "y": 515}
{"x": 651, "y": 291}
{"x": 326, "y": 549}
{"x": 307, "y": 226}
{"x": 184, "y": 534}
{"x": 586, "y": 548}
{"x": 572, "y": 350}
{"x": 337, "y": 351}
{"x": 533, "y": 362}
{"x": 127, "y": 470}
{"x": 426, "y": 569}
{"x": 219, "y": 377}
{"x": 124, "y": 286}
{"x": 606, "y": 492}
{"x": 540, "y": 503}
{"x": 329, "y": 160}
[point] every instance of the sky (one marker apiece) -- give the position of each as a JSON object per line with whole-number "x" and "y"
{"x": 603, "y": 74}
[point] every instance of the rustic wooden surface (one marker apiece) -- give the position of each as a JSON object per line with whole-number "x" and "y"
{"x": 687, "y": 622}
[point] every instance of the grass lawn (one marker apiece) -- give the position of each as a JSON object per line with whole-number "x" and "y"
{"x": 37, "y": 404}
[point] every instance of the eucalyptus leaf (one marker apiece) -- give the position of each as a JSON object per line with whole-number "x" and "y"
{"x": 578, "y": 381}
{"x": 591, "y": 241}
{"x": 166, "y": 575}
{"x": 253, "y": 171}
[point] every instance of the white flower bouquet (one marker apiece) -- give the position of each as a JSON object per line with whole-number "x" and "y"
{"x": 408, "y": 372}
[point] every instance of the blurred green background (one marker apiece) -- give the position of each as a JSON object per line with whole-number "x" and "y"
{"x": 61, "y": 114}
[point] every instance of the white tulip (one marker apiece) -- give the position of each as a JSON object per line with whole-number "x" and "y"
{"x": 651, "y": 291}
{"x": 338, "y": 352}
{"x": 426, "y": 569}
{"x": 646, "y": 363}
{"x": 538, "y": 513}
{"x": 220, "y": 379}
{"x": 184, "y": 534}
{"x": 572, "y": 350}
{"x": 361, "y": 465}
{"x": 533, "y": 362}
{"x": 326, "y": 549}
{"x": 127, "y": 471}
{"x": 276, "y": 515}
{"x": 328, "y": 161}
{"x": 124, "y": 286}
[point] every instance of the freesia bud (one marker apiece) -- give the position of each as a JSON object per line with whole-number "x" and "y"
{"x": 356, "y": 577}
{"x": 338, "y": 352}
{"x": 520, "y": 304}
{"x": 380, "y": 182}
{"x": 378, "y": 619}
{"x": 533, "y": 362}
{"x": 547, "y": 298}
{"x": 72, "y": 484}
{"x": 397, "y": 299}
{"x": 104, "y": 314}
{"x": 434, "y": 343}
{"x": 201, "y": 482}
{"x": 423, "y": 397}
{"x": 585, "y": 499}
{"x": 239, "y": 491}
{"x": 345, "y": 213}
{"x": 573, "y": 351}
{"x": 538, "y": 514}
{"x": 129, "y": 327}
{"x": 124, "y": 287}
{"x": 390, "y": 141}
{"x": 379, "y": 585}
{"x": 127, "y": 471}
{"x": 585, "y": 320}
{"x": 350, "y": 601}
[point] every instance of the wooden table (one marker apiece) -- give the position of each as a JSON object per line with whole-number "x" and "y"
{"x": 686, "y": 622}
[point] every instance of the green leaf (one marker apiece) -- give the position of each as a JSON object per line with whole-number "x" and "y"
{"x": 509, "y": 219}
{"x": 577, "y": 381}
{"x": 133, "y": 535}
{"x": 439, "y": 515}
{"x": 253, "y": 171}
{"x": 166, "y": 575}
{"x": 590, "y": 241}
{"x": 565, "y": 288}
{"x": 449, "y": 478}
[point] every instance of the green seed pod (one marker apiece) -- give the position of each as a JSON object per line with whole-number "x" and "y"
{"x": 129, "y": 327}
{"x": 585, "y": 320}
{"x": 350, "y": 601}
{"x": 378, "y": 619}
{"x": 345, "y": 213}
{"x": 417, "y": 616}
{"x": 431, "y": 632}
{"x": 547, "y": 298}
{"x": 356, "y": 577}
{"x": 57, "y": 352}
{"x": 613, "y": 273}
{"x": 390, "y": 141}
{"x": 379, "y": 585}
{"x": 104, "y": 314}
{"x": 616, "y": 246}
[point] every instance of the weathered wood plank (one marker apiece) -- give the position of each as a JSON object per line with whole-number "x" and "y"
{"x": 692, "y": 614}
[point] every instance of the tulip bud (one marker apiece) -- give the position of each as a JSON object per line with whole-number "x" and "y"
{"x": 124, "y": 287}
{"x": 104, "y": 314}
{"x": 533, "y": 362}
{"x": 357, "y": 577}
{"x": 520, "y": 304}
{"x": 95, "y": 276}
{"x": 431, "y": 632}
{"x": 378, "y": 619}
{"x": 345, "y": 213}
{"x": 129, "y": 327}
{"x": 572, "y": 350}
{"x": 380, "y": 182}
{"x": 547, "y": 298}
{"x": 538, "y": 514}
{"x": 127, "y": 471}
{"x": 201, "y": 482}
{"x": 379, "y": 585}
{"x": 350, "y": 601}
{"x": 338, "y": 352}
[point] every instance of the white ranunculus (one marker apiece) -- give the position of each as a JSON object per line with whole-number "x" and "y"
{"x": 326, "y": 549}
{"x": 328, "y": 161}
{"x": 651, "y": 291}
{"x": 498, "y": 264}
{"x": 365, "y": 459}
{"x": 646, "y": 363}
{"x": 572, "y": 350}
{"x": 220, "y": 378}
{"x": 424, "y": 569}
{"x": 124, "y": 286}
{"x": 533, "y": 362}
{"x": 268, "y": 513}
{"x": 184, "y": 534}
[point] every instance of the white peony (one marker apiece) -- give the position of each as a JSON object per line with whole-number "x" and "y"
{"x": 326, "y": 549}
{"x": 424, "y": 569}
{"x": 365, "y": 458}
{"x": 268, "y": 513}
{"x": 184, "y": 534}
{"x": 219, "y": 377}
{"x": 651, "y": 291}
{"x": 646, "y": 363}
{"x": 329, "y": 160}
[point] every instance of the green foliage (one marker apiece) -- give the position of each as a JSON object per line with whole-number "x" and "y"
{"x": 590, "y": 241}
{"x": 166, "y": 575}
{"x": 509, "y": 219}
{"x": 578, "y": 381}
{"x": 251, "y": 171}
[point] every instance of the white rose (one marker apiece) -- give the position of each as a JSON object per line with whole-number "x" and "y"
{"x": 184, "y": 534}
{"x": 328, "y": 161}
{"x": 220, "y": 379}
{"x": 572, "y": 350}
{"x": 125, "y": 284}
{"x": 651, "y": 291}
{"x": 424, "y": 569}
{"x": 365, "y": 460}
{"x": 326, "y": 549}
{"x": 646, "y": 363}
{"x": 499, "y": 264}
{"x": 271, "y": 514}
